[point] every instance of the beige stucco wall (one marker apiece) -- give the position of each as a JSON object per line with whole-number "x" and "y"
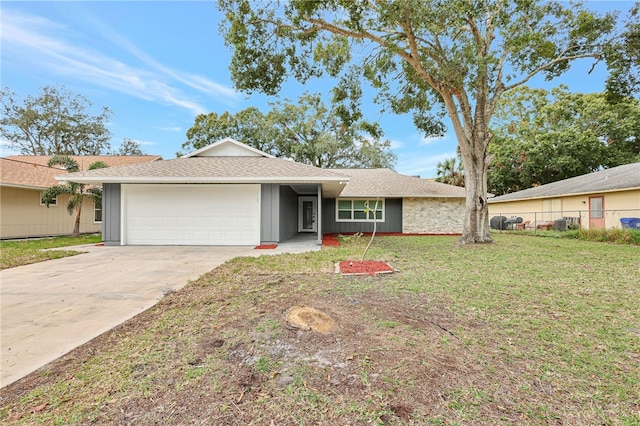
{"x": 432, "y": 215}
{"x": 617, "y": 205}
{"x": 21, "y": 215}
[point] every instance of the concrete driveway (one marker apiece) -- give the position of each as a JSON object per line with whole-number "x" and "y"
{"x": 52, "y": 307}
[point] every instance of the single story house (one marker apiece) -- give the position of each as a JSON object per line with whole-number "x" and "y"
{"x": 23, "y": 178}
{"x": 596, "y": 200}
{"x": 229, "y": 193}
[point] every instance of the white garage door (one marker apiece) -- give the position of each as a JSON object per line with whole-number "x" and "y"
{"x": 191, "y": 214}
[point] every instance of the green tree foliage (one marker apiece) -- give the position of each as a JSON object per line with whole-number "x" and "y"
{"x": 56, "y": 122}
{"x": 543, "y": 137}
{"x": 310, "y": 132}
{"x": 76, "y": 191}
{"x": 429, "y": 57}
{"x": 249, "y": 126}
{"x": 306, "y": 131}
{"x": 450, "y": 171}
{"x": 129, "y": 147}
{"x": 623, "y": 60}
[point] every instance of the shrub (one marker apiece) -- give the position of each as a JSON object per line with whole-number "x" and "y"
{"x": 618, "y": 236}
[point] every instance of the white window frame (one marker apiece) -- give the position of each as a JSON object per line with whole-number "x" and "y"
{"x": 95, "y": 209}
{"x": 369, "y": 218}
{"x": 54, "y": 204}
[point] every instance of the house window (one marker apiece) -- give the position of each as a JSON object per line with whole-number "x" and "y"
{"x": 97, "y": 211}
{"x": 595, "y": 208}
{"x": 359, "y": 210}
{"x": 53, "y": 203}
{"x": 552, "y": 209}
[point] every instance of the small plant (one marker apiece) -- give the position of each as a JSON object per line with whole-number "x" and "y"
{"x": 375, "y": 222}
{"x": 387, "y": 324}
{"x": 264, "y": 365}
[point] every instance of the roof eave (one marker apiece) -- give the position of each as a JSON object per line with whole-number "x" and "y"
{"x": 202, "y": 180}
{"x": 401, "y": 196}
{"x": 567, "y": 194}
{"x": 17, "y": 185}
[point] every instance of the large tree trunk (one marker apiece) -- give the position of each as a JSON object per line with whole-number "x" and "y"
{"x": 473, "y": 140}
{"x": 476, "y": 220}
{"x": 76, "y": 226}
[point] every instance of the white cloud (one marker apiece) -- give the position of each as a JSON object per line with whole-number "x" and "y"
{"x": 7, "y": 149}
{"x": 420, "y": 156}
{"x": 436, "y": 139}
{"x": 171, "y": 128}
{"x": 396, "y": 144}
{"x": 145, "y": 143}
{"x": 45, "y": 44}
{"x": 194, "y": 81}
{"x": 421, "y": 165}
{"x": 431, "y": 140}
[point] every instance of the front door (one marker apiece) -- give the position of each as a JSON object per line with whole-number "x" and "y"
{"x": 307, "y": 214}
{"x": 596, "y": 212}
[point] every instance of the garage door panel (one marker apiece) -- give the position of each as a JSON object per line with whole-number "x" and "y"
{"x": 201, "y": 221}
{"x": 192, "y": 214}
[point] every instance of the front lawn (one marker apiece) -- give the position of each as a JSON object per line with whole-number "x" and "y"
{"x": 523, "y": 331}
{"x": 23, "y": 252}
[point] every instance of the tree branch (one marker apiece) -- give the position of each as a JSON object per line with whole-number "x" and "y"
{"x": 548, "y": 65}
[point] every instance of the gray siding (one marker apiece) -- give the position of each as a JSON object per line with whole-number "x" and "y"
{"x": 288, "y": 213}
{"x": 111, "y": 220}
{"x": 320, "y": 229}
{"x": 392, "y": 215}
{"x": 270, "y": 204}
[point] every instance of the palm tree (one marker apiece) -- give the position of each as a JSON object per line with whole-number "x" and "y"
{"x": 76, "y": 191}
{"x": 451, "y": 173}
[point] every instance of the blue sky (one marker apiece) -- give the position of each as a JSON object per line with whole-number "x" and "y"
{"x": 157, "y": 64}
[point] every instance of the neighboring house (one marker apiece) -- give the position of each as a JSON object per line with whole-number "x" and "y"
{"x": 23, "y": 178}
{"x": 84, "y": 161}
{"x": 596, "y": 200}
{"x": 228, "y": 193}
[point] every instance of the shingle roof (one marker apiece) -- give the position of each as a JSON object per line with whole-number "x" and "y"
{"x": 31, "y": 171}
{"x": 616, "y": 178}
{"x": 361, "y": 182}
{"x": 387, "y": 183}
{"x": 27, "y": 175}
{"x": 84, "y": 161}
{"x": 210, "y": 170}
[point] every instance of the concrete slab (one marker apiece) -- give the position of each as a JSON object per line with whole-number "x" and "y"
{"x": 52, "y": 307}
{"x": 301, "y": 243}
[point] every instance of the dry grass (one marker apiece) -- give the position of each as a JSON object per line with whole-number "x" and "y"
{"x": 527, "y": 330}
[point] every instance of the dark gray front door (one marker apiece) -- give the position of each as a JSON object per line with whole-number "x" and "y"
{"x": 307, "y": 214}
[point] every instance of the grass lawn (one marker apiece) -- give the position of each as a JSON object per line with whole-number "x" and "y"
{"x": 23, "y": 252}
{"x": 523, "y": 331}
